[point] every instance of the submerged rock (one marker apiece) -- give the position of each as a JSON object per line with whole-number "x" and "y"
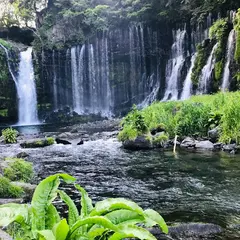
{"x": 229, "y": 147}
{"x": 191, "y": 231}
{"x": 80, "y": 142}
{"x": 22, "y": 155}
{"x": 141, "y": 142}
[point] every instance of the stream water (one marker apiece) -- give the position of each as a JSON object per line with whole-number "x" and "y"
{"x": 186, "y": 187}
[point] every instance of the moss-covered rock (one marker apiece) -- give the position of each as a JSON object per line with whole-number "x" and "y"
{"x": 8, "y": 190}
{"x": 38, "y": 143}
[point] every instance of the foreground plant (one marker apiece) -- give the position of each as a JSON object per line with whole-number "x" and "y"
{"x": 113, "y": 218}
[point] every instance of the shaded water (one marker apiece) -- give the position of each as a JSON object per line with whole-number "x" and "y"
{"x": 188, "y": 187}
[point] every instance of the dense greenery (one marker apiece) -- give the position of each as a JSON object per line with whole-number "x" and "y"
{"x": 219, "y": 33}
{"x": 61, "y": 21}
{"x": 8, "y": 190}
{"x": 114, "y": 218}
{"x": 193, "y": 117}
{"x": 203, "y": 51}
{"x": 10, "y": 135}
{"x": 18, "y": 170}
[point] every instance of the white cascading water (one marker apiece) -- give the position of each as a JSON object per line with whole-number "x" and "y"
{"x": 77, "y": 65}
{"x": 206, "y": 73}
{"x": 152, "y": 95}
{"x": 229, "y": 55}
{"x": 187, "y": 87}
{"x": 26, "y": 89}
{"x": 90, "y": 78}
{"x": 174, "y": 66}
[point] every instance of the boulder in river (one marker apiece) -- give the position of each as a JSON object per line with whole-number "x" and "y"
{"x": 140, "y": 142}
{"x": 80, "y": 142}
{"x": 213, "y": 134}
{"x": 189, "y": 231}
{"x": 38, "y": 143}
{"x": 62, "y": 141}
{"x": 188, "y": 142}
{"x": 204, "y": 145}
{"x": 229, "y": 147}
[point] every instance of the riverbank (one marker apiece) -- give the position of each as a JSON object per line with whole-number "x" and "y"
{"x": 209, "y": 121}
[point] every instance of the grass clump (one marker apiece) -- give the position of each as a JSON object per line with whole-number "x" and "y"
{"x": 193, "y": 117}
{"x": 19, "y": 170}
{"x": 50, "y": 141}
{"x": 10, "y": 135}
{"x": 160, "y": 139}
{"x": 133, "y": 125}
{"x": 7, "y": 189}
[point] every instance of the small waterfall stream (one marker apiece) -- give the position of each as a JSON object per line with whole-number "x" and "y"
{"x": 206, "y": 73}
{"x": 174, "y": 65}
{"x": 229, "y": 55}
{"x": 187, "y": 87}
{"x": 26, "y": 89}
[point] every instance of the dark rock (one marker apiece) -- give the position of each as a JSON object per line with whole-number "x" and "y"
{"x": 22, "y": 155}
{"x": 213, "y": 134}
{"x": 62, "y": 141}
{"x": 27, "y": 188}
{"x": 191, "y": 231}
{"x": 141, "y": 142}
{"x": 81, "y": 142}
{"x": 204, "y": 145}
{"x": 229, "y": 147}
{"x": 217, "y": 146}
{"x": 188, "y": 142}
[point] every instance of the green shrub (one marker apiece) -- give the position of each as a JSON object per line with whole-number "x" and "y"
{"x": 113, "y": 218}
{"x": 128, "y": 133}
{"x": 50, "y": 141}
{"x": 160, "y": 139}
{"x": 19, "y": 170}
{"x": 192, "y": 119}
{"x": 8, "y": 190}
{"x": 10, "y": 135}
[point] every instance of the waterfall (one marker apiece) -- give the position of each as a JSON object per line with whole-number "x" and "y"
{"x": 174, "y": 65}
{"x": 10, "y": 68}
{"x": 206, "y": 73}
{"x": 187, "y": 87}
{"x": 26, "y": 89}
{"x": 77, "y": 65}
{"x": 229, "y": 55}
{"x": 153, "y": 94}
{"x": 55, "y": 92}
{"x": 90, "y": 78}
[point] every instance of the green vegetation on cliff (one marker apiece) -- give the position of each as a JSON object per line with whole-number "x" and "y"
{"x": 193, "y": 117}
{"x": 237, "y": 29}
{"x": 218, "y": 32}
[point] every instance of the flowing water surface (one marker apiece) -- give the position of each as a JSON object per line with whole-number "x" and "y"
{"x": 186, "y": 187}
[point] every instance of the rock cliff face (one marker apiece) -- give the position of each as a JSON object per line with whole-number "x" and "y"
{"x": 135, "y": 63}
